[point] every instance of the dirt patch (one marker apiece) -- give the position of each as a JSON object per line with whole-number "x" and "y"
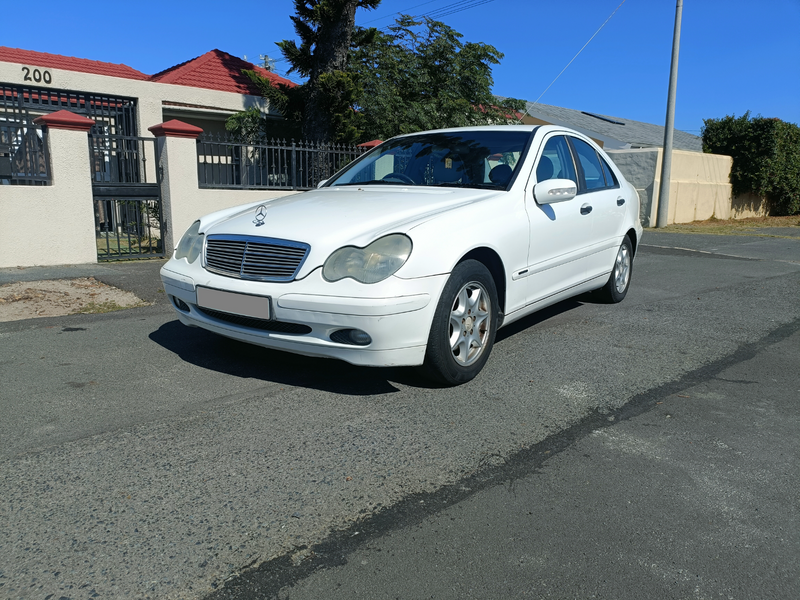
{"x": 766, "y": 226}
{"x": 58, "y": 297}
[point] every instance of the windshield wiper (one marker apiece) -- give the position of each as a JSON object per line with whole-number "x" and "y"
{"x": 373, "y": 182}
{"x": 477, "y": 186}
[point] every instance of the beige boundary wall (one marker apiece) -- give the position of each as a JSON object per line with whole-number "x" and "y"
{"x": 699, "y": 186}
{"x": 54, "y": 224}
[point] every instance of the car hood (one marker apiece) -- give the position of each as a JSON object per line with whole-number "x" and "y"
{"x": 330, "y": 218}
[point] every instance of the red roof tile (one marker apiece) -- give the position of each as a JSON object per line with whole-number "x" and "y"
{"x": 68, "y": 63}
{"x": 214, "y": 70}
{"x": 217, "y": 70}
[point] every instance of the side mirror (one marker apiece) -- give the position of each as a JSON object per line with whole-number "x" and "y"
{"x": 321, "y": 183}
{"x": 554, "y": 190}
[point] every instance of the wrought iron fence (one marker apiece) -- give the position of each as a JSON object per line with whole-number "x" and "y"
{"x": 127, "y": 207}
{"x": 269, "y": 164}
{"x": 128, "y": 228}
{"x": 24, "y": 157}
{"x": 118, "y": 159}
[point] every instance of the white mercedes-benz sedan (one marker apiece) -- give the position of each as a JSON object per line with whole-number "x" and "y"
{"x": 416, "y": 253}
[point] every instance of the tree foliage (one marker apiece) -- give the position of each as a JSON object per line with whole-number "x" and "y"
{"x": 374, "y": 85}
{"x": 766, "y": 157}
{"x": 251, "y": 127}
{"x": 420, "y": 75}
{"x": 324, "y": 104}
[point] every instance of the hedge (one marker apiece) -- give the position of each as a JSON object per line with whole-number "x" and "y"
{"x": 766, "y": 158}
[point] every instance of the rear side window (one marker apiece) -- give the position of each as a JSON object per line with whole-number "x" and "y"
{"x": 611, "y": 179}
{"x": 593, "y": 176}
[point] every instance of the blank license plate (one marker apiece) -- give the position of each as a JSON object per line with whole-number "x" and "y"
{"x": 231, "y": 302}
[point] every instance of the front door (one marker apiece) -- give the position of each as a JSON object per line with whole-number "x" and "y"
{"x": 559, "y": 232}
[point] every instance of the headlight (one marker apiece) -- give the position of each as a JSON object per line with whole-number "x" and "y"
{"x": 381, "y": 259}
{"x": 191, "y": 243}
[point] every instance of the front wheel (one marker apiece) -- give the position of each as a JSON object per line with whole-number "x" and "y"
{"x": 619, "y": 281}
{"x": 464, "y": 325}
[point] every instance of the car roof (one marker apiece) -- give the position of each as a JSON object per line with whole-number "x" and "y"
{"x": 527, "y": 128}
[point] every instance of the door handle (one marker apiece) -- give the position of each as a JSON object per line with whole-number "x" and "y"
{"x": 620, "y": 201}
{"x": 586, "y": 209}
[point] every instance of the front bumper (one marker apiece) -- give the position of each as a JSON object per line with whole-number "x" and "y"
{"x": 396, "y": 313}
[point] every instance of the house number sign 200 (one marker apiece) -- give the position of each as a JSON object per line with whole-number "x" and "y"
{"x": 37, "y": 75}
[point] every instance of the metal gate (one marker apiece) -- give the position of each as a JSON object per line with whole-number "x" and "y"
{"x": 126, "y": 191}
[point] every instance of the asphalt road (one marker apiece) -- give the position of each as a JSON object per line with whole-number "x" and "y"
{"x": 143, "y": 459}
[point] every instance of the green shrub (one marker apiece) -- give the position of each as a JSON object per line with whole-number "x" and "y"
{"x": 766, "y": 158}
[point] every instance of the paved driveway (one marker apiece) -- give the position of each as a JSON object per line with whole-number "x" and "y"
{"x": 142, "y": 459}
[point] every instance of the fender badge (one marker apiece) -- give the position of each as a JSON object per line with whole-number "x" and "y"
{"x": 261, "y": 214}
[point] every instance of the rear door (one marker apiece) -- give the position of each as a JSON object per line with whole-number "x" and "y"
{"x": 599, "y": 192}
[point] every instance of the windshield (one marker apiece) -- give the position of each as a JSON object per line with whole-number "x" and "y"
{"x": 483, "y": 159}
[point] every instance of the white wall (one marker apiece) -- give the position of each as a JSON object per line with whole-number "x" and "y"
{"x": 51, "y": 225}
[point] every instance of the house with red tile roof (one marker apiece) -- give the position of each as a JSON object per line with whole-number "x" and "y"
{"x": 203, "y": 91}
{"x": 135, "y": 186}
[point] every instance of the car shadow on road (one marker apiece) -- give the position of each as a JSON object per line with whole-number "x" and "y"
{"x": 540, "y": 316}
{"x": 238, "y": 359}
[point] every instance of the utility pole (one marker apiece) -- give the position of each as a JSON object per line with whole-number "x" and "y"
{"x": 666, "y": 161}
{"x": 267, "y": 63}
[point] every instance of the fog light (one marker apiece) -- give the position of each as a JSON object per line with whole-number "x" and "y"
{"x": 180, "y": 304}
{"x": 351, "y": 337}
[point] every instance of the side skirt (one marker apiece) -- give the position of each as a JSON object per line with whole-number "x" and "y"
{"x": 587, "y": 286}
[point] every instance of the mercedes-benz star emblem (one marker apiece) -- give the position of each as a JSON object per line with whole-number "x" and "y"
{"x": 261, "y": 214}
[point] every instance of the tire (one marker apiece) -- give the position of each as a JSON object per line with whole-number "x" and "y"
{"x": 616, "y": 288}
{"x": 464, "y": 325}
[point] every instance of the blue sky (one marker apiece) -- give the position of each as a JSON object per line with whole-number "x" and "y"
{"x": 735, "y": 56}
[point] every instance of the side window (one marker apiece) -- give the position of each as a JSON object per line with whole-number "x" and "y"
{"x": 556, "y": 161}
{"x": 590, "y": 162}
{"x": 611, "y": 179}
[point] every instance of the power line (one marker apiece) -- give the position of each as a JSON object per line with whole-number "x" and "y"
{"x": 436, "y": 13}
{"x": 400, "y": 12}
{"x": 573, "y": 58}
{"x": 452, "y": 9}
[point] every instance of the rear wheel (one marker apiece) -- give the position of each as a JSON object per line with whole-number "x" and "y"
{"x": 619, "y": 281}
{"x": 464, "y": 325}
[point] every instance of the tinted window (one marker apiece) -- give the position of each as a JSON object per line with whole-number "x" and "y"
{"x": 590, "y": 162}
{"x": 483, "y": 159}
{"x": 556, "y": 161}
{"x": 611, "y": 179}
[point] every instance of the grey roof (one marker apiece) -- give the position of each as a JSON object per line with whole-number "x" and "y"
{"x": 615, "y": 132}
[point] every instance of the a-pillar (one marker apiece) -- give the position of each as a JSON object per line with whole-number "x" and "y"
{"x": 177, "y": 147}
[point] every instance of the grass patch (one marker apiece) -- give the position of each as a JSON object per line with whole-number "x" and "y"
{"x": 736, "y": 226}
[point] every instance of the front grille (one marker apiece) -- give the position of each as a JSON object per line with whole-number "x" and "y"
{"x": 259, "y": 258}
{"x": 264, "y": 325}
